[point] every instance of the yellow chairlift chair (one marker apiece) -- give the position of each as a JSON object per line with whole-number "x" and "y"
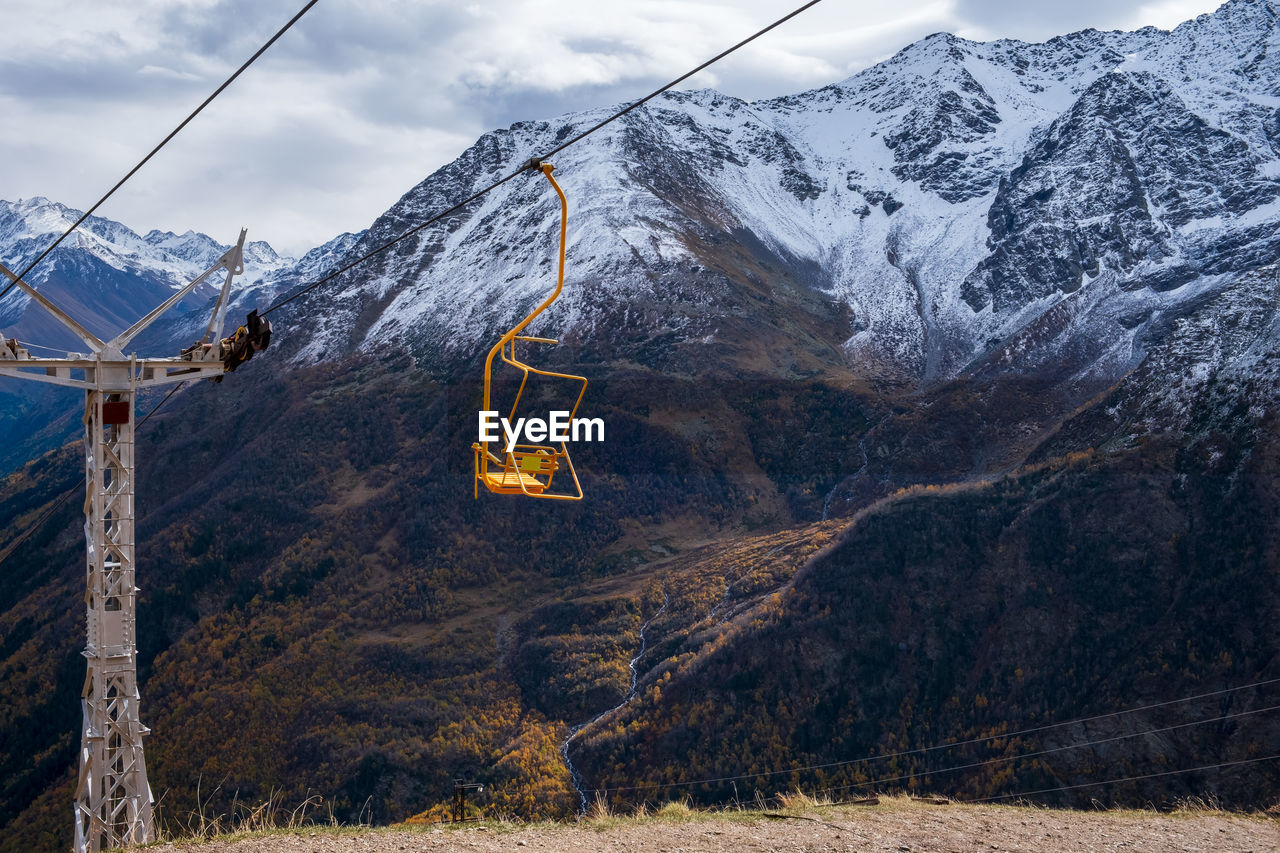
{"x": 529, "y": 469}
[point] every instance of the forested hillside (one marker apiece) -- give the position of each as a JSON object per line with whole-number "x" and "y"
{"x": 940, "y": 404}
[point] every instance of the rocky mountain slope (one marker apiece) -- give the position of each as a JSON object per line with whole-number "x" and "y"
{"x": 940, "y": 401}
{"x": 919, "y": 214}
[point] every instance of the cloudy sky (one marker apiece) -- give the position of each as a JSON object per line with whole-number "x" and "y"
{"x": 364, "y": 98}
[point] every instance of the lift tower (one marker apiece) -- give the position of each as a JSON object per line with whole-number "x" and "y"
{"x": 113, "y": 800}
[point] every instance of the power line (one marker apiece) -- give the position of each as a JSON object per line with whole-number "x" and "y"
{"x": 67, "y": 495}
{"x": 937, "y": 747}
{"x": 30, "y": 345}
{"x": 1004, "y": 759}
{"x": 401, "y": 237}
{"x": 39, "y": 522}
{"x": 1128, "y": 779}
{"x": 533, "y": 163}
{"x": 163, "y": 142}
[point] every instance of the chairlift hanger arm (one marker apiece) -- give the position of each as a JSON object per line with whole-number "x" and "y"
{"x": 91, "y": 340}
{"x": 546, "y": 169}
{"x": 232, "y": 261}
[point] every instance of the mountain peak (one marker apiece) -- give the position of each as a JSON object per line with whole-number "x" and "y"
{"x": 107, "y": 266}
{"x": 35, "y": 202}
{"x": 915, "y": 191}
{"x": 1239, "y": 16}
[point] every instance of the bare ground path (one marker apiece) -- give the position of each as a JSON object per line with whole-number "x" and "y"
{"x": 896, "y": 825}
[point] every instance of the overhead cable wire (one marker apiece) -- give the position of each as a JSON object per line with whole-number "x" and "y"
{"x": 677, "y": 81}
{"x": 67, "y": 495}
{"x": 1202, "y": 767}
{"x": 387, "y": 245}
{"x": 30, "y": 345}
{"x": 1005, "y": 759}
{"x": 39, "y": 522}
{"x": 156, "y": 407}
{"x": 163, "y": 143}
{"x": 537, "y": 160}
{"x": 937, "y": 747}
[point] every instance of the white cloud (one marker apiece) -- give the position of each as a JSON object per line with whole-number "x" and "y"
{"x": 1168, "y": 14}
{"x": 171, "y": 73}
{"x": 364, "y": 98}
{"x": 1040, "y": 20}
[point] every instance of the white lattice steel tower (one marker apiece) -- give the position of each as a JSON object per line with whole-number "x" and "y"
{"x": 113, "y": 799}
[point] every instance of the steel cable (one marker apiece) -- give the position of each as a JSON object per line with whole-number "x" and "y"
{"x": 536, "y": 160}
{"x": 938, "y": 747}
{"x": 1128, "y": 779}
{"x": 67, "y": 495}
{"x": 1004, "y": 759}
{"x": 22, "y": 275}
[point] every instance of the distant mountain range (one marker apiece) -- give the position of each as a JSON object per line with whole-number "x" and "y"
{"x": 105, "y": 276}
{"x": 941, "y": 402}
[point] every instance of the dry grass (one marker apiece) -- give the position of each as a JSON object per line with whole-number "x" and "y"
{"x": 242, "y": 818}
{"x": 800, "y": 801}
{"x": 599, "y": 810}
{"x": 601, "y": 814}
{"x": 678, "y": 810}
{"x": 894, "y": 811}
{"x": 1199, "y": 805}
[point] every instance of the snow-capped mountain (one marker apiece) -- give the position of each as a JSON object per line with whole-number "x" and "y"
{"x": 1071, "y": 196}
{"x": 104, "y": 274}
{"x": 961, "y": 209}
{"x": 1055, "y": 263}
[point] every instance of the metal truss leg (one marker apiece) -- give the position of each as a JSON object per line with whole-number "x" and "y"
{"x": 113, "y": 799}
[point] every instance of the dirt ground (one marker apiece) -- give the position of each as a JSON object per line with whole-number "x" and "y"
{"x": 901, "y": 826}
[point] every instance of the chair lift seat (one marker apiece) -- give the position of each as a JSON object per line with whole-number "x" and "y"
{"x": 531, "y": 462}
{"x": 513, "y": 483}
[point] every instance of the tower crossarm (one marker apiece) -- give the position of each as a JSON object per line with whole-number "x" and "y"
{"x": 90, "y": 372}
{"x": 232, "y": 261}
